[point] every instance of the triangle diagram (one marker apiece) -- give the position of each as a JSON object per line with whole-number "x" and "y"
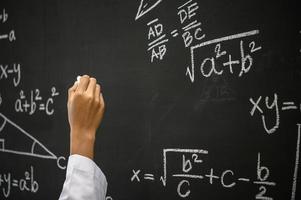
{"x": 146, "y": 6}
{"x": 15, "y": 140}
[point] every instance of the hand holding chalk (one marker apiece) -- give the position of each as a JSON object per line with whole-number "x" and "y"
{"x": 85, "y": 112}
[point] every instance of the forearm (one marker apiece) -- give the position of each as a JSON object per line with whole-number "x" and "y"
{"x": 84, "y": 179}
{"x": 82, "y": 144}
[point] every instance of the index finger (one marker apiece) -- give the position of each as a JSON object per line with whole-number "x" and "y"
{"x": 83, "y": 83}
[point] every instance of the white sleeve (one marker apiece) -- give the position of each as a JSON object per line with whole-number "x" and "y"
{"x": 84, "y": 180}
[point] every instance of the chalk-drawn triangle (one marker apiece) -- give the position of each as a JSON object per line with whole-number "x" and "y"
{"x": 146, "y": 6}
{"x": 11, "y": 133}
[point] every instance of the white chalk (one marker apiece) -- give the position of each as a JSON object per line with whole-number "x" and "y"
{"x": 77, "y": 79}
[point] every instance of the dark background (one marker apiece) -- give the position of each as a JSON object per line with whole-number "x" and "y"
{"x": 153, "y": 106}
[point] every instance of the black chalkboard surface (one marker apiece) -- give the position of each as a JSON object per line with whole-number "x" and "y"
{"x": 202, "y": 97}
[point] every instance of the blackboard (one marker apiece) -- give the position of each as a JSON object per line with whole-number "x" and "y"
{"x": 202, "y": 97}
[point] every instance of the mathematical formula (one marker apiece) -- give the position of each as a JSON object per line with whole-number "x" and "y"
{"x": 208, "y": 58}
{"x": 10, "y": 34}
{"x": 271, "y": 105}
{"x": 191, "y": 171}
{"x": 34, "y": 102}
{"x": 217, "y": 53}
{"x": 231, "y": 55}
{"x": 27, "y": 183}
{"x": 12, "y": 71}
{"x": 190, "y": 31}
{"x": 28, "y": 102}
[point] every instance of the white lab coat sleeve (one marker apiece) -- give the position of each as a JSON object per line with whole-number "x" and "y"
{"x": 84, "y": 180}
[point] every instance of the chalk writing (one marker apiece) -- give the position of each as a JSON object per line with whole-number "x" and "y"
{"x": 191, "y": 27}
{"x": 263, "y": 174}
{"x": 219, "y": 59}
{"x": 10, "y": 35}
{"x": 190, "y": 30}
{"x": 294, "y": 186}
{"x": 36, "y": 102}
{"x": 26, "y": 183}
{"x": 12, "y": 71}
{"x": 274, "y": 107}
{"x": 218, "y": 53}
{"x": 196, "y": 152}
{"x": 3, "y": 16}
{"x": 192, "y": 164}
{"x": 145, "y": 7}
{"x": 157, "y": 40}
{"x": 37, "y": 149}
{"x": 14, "y": 139}
{"x": 26, "y": 103}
